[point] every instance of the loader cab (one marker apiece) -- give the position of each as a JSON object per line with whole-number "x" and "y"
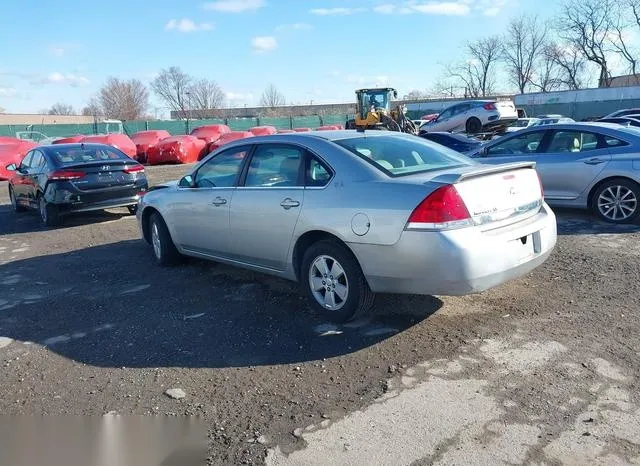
{"x": 376, "y": 99}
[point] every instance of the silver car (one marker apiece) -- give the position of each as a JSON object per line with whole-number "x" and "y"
{"x": 349, "y": 214}
{"x": 590, "y": 165}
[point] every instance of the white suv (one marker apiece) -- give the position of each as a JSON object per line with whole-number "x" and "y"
{"x": 474, "y": 116}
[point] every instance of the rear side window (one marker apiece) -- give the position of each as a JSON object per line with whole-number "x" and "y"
{"x": 317, "y": 173}
{"x": 610, "y": 141}
{"x": 403, "y": 155}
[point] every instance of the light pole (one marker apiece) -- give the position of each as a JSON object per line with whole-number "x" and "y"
{"x": 186, "y": 112}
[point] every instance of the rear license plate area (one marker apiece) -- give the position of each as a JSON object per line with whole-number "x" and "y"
{"x": 527, "y": 246}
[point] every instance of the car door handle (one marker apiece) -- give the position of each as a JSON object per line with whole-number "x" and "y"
{"x": 288, "y": 203}
{"x": 594, "y": 161}
{"x": 219, "y": 201}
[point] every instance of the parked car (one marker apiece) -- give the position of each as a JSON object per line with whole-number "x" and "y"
{"x": 582, "y": 165}
{"x": 623, "y": 112}
{"x": 263, "y": 130}
{"x": 227, "y": 138}
{"x": 64, "y": 178}
{"x": 210, "y": 133}
{"x": 551, "y": 120}
{"x": 12, "y": 151}
{"x": 473, "y": 116}
{"x": 348, "y": 215}
{"x": 621, "y": 121}
{"x": 521, "y": 123}
{"x": 120, "y": 141}
{"x": 455, "y": 141}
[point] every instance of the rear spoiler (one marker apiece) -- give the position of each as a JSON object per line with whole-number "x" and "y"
{"x": 452, "y": 178}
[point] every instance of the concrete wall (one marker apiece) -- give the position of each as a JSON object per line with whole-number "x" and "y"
{"x": 31, "y": 119}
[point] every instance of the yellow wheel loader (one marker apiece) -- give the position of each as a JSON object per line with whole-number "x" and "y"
{"x": 373, "y": 111}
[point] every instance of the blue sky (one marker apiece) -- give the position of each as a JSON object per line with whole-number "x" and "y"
{"x": 312, "y": 50}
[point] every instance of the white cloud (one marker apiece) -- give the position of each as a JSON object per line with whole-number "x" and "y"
{"x": 494, "y": 11}
{"x": 62, "y": 79}
{"x": 452, "y": 8}
{"x": 238, "y": 98}
{"x": 186, "y": 25}
{"x": 335, "y": 11}
{"x": 262, "y": 44}
{"x": 234, "y": 6}
{"x": 7, "y": 92}
{"x": 294, "y": 27}
{"x": 62, "y": 49}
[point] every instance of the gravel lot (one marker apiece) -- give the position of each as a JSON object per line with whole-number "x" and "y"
{"x": 543, "y": 369}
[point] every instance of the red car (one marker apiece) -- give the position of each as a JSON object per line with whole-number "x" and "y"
{"x": 147, "y": 139}
{"x": 117, "y": 140}
{"x": 176, "y": 149}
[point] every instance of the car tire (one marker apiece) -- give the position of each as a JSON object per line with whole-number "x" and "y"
{"x": 473, "y": 125}
{"x": 354, "y": 299}
{"x": 617, "y": 201}
{"x": 48, "y": 212}
{"x": 132, "y": 209}
{"x": 14, "y": 202}
{"x": 164, "y": 250}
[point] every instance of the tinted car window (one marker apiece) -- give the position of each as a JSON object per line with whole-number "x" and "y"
{"x": 273, "y": 165}
{"x": 222, "y": 170}
{"x": 610, "y": 141}
{"x": 37, "y": 161}
{"x": 521, "y": 144}
{"x": 403, "y": 155}
{"x": 26, "y": 160}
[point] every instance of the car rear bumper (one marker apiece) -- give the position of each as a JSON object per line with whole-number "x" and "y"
{"x": 458, "y": 262}
{"x": 68, "y": 199}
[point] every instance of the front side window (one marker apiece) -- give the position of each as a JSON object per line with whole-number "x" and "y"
{"x": 222, "y": 170}
{"x": 274, "y": 166}
{"x": 522, "y": 144}
{"x": 402, "y": 154}
{"x": 572, "y": 141}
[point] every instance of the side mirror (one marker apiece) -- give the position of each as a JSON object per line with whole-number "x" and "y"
{"x": 11, "y": 167}
{"x": 187, "y": 181}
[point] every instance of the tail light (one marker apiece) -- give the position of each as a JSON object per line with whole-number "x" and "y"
{"x": 489, "y": 106}
{"x": 443, "y": 209}
{"x": 134, "y": 169}
{"x": 65, "y": 175}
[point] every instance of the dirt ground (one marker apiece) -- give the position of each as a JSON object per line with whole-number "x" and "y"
{"x": 541, "y": 370}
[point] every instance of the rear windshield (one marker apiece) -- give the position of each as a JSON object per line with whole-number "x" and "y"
{"x": 401, "y": 155}
{"x": 74, "y": 155}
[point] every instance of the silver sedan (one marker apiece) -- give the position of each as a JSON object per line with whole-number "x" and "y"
{"x": 582, "y": 165}
{"x": 349, "y": 214}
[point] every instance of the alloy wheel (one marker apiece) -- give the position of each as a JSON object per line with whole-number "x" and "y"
{"x": 329, "y": 283}
{"x": 617, "y": 203}
{"x": 155, "y": 240}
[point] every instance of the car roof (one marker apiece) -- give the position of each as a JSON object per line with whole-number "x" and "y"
{"x": 580, "y": 125}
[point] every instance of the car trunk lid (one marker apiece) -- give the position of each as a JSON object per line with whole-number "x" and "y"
{"x": 100, "y": 175}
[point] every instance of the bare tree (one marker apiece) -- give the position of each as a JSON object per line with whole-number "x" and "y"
{"x": 571, "y": 65}
{"x": 205, "y": 94}
{"x": 93, "y": 108}
{"x": 589, "y": 26}
{"x": 522, "y": 48}
{"x": 476, "y": 74}
{"x": 60, "y": 109}
{"x": 124, "y": 100}
{"x": 415, "y": 94}
{"x": 627, "y": 15}
{"x": 172, "y": 87}
{"x": 272, "y": 98}
{"x": 546, "y": 75}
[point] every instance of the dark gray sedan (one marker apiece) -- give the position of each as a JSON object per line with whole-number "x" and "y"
{"x": 584, "y": 165}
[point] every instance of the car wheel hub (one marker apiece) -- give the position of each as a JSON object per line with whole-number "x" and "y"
{"x": 617, "y": 203}
{"x": 328, "y": 282}
{"x": 155, "y": 239}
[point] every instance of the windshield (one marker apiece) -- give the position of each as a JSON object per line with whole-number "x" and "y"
{"x": 74, "y": 155}
{"x": 403, "y": 155}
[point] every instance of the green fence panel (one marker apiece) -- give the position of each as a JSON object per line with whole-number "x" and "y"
{"x": 173, "y": 127}
{"x": 334, "y": 119}
{"x": 279, "y": 123}
{"x": 242, "y": 124}
{"x": 306, "y": 121}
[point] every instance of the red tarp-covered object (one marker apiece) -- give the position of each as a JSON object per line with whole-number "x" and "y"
{"x": 176, "y": 149}
{"x": 210, "y": 133}
{"x": 263, "y": 130}
{"x": 69, "y": 140}
{"x": 147, "y": 139}
{"x": 229, "y": 137}
{"x": 117, "y": 140}
{"x": 12, "y": 152}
